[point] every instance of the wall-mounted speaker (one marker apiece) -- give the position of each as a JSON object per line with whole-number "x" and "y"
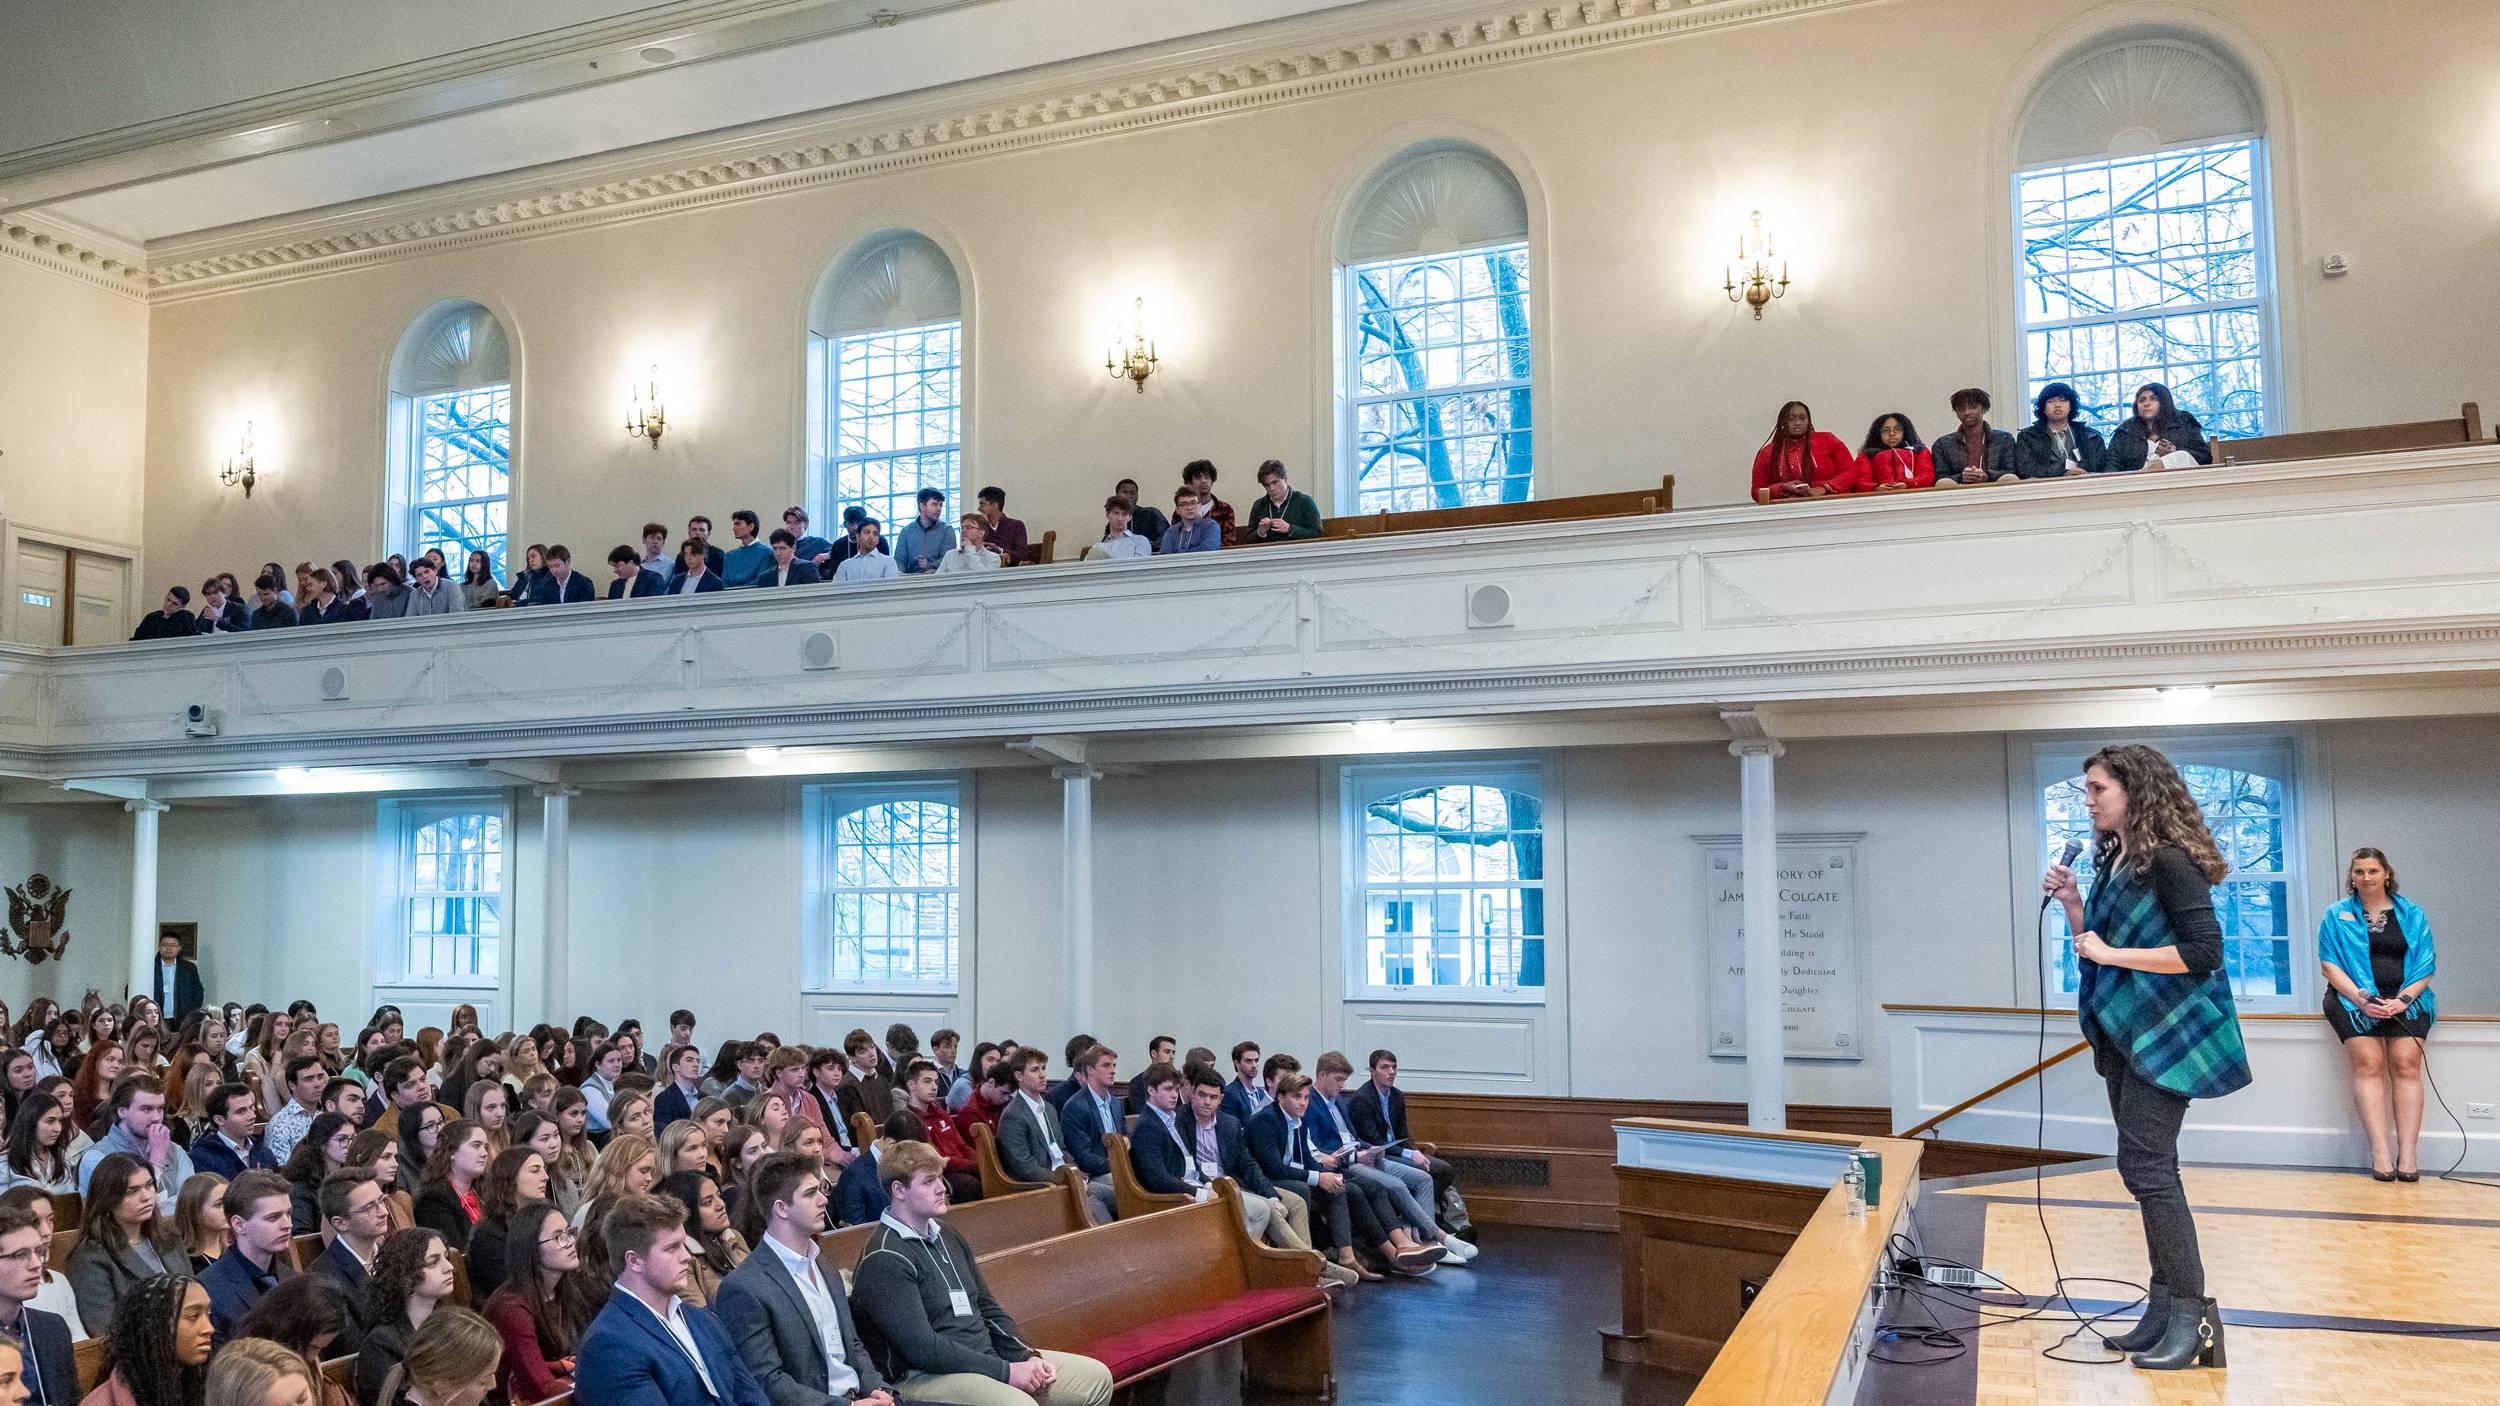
{"x": 816, "y": 650}
{"x": 334, "y": 683}
{"x": 1488, "y": 606}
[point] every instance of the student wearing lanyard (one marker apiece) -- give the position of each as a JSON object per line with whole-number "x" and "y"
{"x": 936, "y": 1332}
{"x": 784, "y": 1307}
{"x": 646, "y": 1348}
{"x": 47, "y": 1366}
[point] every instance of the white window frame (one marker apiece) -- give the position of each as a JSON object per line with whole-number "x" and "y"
{"x": 397, "y": 821}
{"x": 824, "y": 357}
{"x": 2275, "y": 387}
{"x": 407, "y": 446}
{"x": 819, "y": 806}
{"x": 1359, "y": 784}
{"x": 2289, "y": 755}
{"x": 1351, "y": 401}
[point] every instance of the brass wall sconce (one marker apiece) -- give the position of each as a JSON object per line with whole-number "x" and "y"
{"x": 1132, "y": 354}
{"x": 1755, "y": 287}
{"x": 238, "y": 467}
{"x": 645, "y": 415}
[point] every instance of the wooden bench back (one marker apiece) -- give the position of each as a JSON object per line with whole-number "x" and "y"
{"x": 988, "y": 1226}
{"x": 306, "y": 1249}
{"x": 864, "y": 1130}
{"x": 90, "y": 1354}
{"x": 62, "y": 1241}
{"x": 2359, "y": 439}
{"x": 1129, "y": 1196}
{"x": 1633, "y": 503}
{"x": 1077, "y": 1289}
{"x": 66, "y": 1210}
{"x": 994, "y": 1179}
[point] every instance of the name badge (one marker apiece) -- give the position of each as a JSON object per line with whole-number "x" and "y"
{"x": 962, "y": 1302}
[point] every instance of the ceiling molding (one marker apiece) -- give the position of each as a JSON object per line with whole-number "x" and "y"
{"x": 889, "y": 136}
{"x": 59, "y": 247}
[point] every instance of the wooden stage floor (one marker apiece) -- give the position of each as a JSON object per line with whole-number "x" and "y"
{"x": 2336, "y": 1290}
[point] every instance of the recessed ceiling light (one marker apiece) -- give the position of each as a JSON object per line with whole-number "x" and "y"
{"x": 2187, "y": 698}
{"x": 763, "y": 756}
{"x": 294, "y": 778}
{"x": 655, "y": 54}
{"x": 1374, "y": 727}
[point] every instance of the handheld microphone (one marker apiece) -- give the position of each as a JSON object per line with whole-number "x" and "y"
{"x": 2064, "y": 861}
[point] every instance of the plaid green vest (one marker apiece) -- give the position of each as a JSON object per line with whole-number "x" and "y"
{"x": 2177, "y": 1032}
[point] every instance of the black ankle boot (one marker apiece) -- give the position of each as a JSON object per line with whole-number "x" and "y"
{"x": 2193, "y": 1338}
{"x": 2149, "y": 1328}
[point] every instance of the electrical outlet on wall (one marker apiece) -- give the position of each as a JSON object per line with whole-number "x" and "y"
{"x": 2478, "y": 1110}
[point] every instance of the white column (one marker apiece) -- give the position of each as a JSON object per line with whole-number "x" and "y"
{"x": 143, "y": 816}
{"x": 1076, "y": 888}
{"x": 555, "y": 906}
{"x": 1766, "y": 1068}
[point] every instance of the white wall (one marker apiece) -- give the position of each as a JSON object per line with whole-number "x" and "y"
{"x": 1211, "y": 907}
{"x": 1869, "y": 136}
{"x": 73, "y": 405}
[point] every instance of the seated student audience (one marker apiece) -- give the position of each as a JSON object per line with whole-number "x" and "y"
{"x": 55, "y": 1295}
{"x": 39, "y": 1143}
{"x": 220, "y": 612}
{"x": 351, "y": 588}
{"x": 317, "y": 599}
{"x": 628, "y": 1166}
{"x": 820, "y": 1103}
{"x": 159, "y": 1351}
{"x": 98, "y": 1070}
{"x": 412, "y": 1277}
{"x": 271, "y": 607}
{"x": 50, "y": 1371}
{"x": 478, "y": 587}
{"x": 699, "y": 530}
{"x": 1149, "y": 522}
{"x": 448, "y": 1195}
{"x": 1005, "y": 535}
{"x": 1281, "y": 511}
{"x": 356, "y": 1215}
{"x": 171, "y": 620}
{"x": 2057, "y": 444}
{"x": 926, "y": 539}
{"x": 1975, "y": 452}
{"x": 742, "y": 563}
{"x": 683, "y": 1086}
{"x": 1246, "y": 1096}
{"x": 860, "y": 1196}
{"x": 323, "y": 1151}
{"x": 785, "y": 1308}
{"x": 517, "y": 1177}
{"x": 1160, "y": 1049}
{"x": 304, "y": 1080}
{"x": 647, "y": 1346}
{"x": 633, "y": 578}
{"x": 544, "y": 1305}
{"x": 787, "y": 567}
{"x": 1800, "y": 461}
{"x": 714, "y": 1245}
{"x": 2159, "y": 435}
{"x": 1200, "y": 474}
{"x": 1404, "y": 1188}
{"x": 657, "y": 559}
{"x": 376, "y": 1151}
{"x": 1191, "y": 530}
{"x": 259, "y": 1259}
{"x": 923, "y": 1095}
{"x": 525, "y": 580}
{"x": 1379, "y": 1114}
{"x": 384, "y": 598}
{"x": 200, "y": 1232}
{"x": 866, "y": 1086}
{"x": 559, "y": 584}
{"x": 138, "y": 1111}
{"x": 915, "y": 1279}
{"x": 805, "y": 545}
{"x": 972, "y": 551}
{"x": 1894, "y": 457}
{"x": 695, "y": 573}
{"x": 1178, "y": 1149}
{"x": 1347, "y": 1215}
{"x": 307, "y": 1317}
{"x": 845, "y": 543}
{"x": 1092, "y": 1110}
{"x": 1120, "y": 540}
{"x": 868, "y": 560}
{"x": 226, "y": 1144}
{"x": 455, "y": 1358}
{"x": 428, "y": 593}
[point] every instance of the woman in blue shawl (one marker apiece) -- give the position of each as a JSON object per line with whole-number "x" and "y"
{"x": 2375, "y": 951}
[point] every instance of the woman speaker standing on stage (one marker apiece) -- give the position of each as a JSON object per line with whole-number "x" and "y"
{"x": 2157, "y": 1009}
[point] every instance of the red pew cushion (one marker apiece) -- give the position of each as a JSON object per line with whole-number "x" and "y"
{"x": 1150, "y": 1345}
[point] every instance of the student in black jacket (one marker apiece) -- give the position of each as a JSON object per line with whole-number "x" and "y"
{"x": 219, "y": 613}
{"x": 2158, "y": 434}
{"x": 1379, "y": 1114}
{"x": 2057, "y": 444}
{"x": 269, "y": 609}
{"x": 173, "y": 620}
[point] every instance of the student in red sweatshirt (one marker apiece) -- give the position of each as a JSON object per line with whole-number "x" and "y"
{"x": 1800, "y": 461}
{"x": 1894, "y": 456}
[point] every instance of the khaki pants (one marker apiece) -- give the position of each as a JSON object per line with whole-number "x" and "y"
{"x": 1082, "y": 1382}
{"x": 1292, "y": 1230}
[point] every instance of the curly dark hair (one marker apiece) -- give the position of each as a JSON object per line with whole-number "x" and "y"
{"x": 2159, "y": 812}
{"x": 1874, "y": 445}
{"x": 141, "y": 1345}
{"x": 397, "y": 1268}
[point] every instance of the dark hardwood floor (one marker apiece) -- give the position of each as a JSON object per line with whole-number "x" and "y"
{"x": 1519, "y": 1326}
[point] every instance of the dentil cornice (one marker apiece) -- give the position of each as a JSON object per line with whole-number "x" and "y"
{"x": 80, "y": 254}
{"x": 1426, "y": 40}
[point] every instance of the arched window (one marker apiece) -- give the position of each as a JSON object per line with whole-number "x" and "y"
{"x": 2142, "y": 235}
{"x": 1434, "y": 373}
{"x": 1449, "y": 881}
{"x": 451, "y": 436}
{"x": 885, "y": 381}
{"x": 884, "y": 885}
{"x": 2246, "y": 790}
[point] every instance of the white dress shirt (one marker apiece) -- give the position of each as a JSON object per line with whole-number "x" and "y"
{"x": 1041, "y": 1119}
{"x": 675, "y": 1321}
{"x": 841, "y": 1378}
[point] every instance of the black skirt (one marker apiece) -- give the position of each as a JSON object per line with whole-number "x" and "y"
{"x": 2414, "y": 1022}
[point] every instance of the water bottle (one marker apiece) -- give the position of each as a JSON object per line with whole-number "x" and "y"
{"x": 1855, "y": 1180}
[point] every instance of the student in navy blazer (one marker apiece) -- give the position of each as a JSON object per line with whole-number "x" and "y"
{"x": 51, "y": 1379}
{"x": 860, "y": 1196}
{"x": 641, "y": 583}
{"x": 1093, "y": 1111}
{"x": 632, "y": 1355}
{"x": 787, "y": 568}
{"x": 560, "y": 584}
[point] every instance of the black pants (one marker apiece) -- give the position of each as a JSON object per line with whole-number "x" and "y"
{"x": 2148, "y": 1118}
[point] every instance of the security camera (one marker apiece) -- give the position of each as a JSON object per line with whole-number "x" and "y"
{"x": 198, "y": 721}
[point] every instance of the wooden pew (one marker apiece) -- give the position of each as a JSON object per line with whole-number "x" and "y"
{"x": 2359, "y": 439}
{"x": 864, "y": 1130}
{"x": 1039, "y": 551}
{"x": 305, "y": 1249}
{"x": 1637, "y": 502}
{"x": 1127, "y": 1196}
{"x": 1146, "y": 1295}
{"x": 90, "y": 1355}
{"x": 340, "y": 1372}
{"x": 994, "y": 1178}
{"x": 65, "y": 1210}
{"x": 62, "y": 1240}
{"x": 989, "y": 1226}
